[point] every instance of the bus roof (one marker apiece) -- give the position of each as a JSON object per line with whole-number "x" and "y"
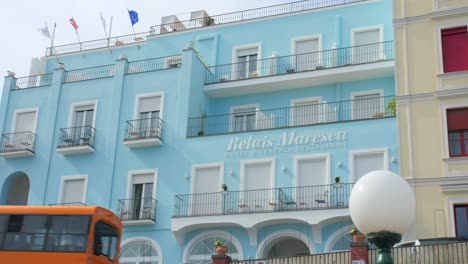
{"x": 52, "y": 210}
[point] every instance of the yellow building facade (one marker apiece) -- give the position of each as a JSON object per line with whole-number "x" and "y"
{"x": 431, "y": 87}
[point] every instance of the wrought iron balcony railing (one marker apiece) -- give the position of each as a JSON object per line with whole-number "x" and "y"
{"x": 19, "y": 141}
{"x": 333, "y": 196}
{"x": 68, "y": 204}
{"x": 249, "y": 14}
{"x": 144, "y": 129}
{"x": 76, "y": 136}
{"x": 313, "y": 61}
{"x": 137, "y": 209}
{"x": 155, "y": 64}
{"x": 304, "y": 115}
{"x": 89, "y": 73}
{"x": 34, "y": 81}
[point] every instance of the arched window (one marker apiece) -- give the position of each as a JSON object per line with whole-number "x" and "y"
{"x": 342, "y": 243}
{"x": 140, "y": 252}
{"x": 200, "y": 249}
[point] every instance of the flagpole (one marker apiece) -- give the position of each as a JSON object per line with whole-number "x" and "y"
{"x": 103, "y": 25}
{"x": 133, "y": 28}
{"x": 110, "y": 32}
{"x": 52, "y": 41}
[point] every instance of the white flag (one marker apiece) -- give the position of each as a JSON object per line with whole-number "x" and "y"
{"x": 103, "y": 20}
{"x": 45, "y": 31}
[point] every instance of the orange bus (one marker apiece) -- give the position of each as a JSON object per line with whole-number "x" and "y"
{"x": 59, "y": 234}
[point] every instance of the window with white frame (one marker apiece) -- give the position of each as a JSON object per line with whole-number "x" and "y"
{"x": 141, "y": 202}
{"x": 246, "y": 63}
{"x": 367, "y": 104}
{"x": 149, "y": 121}
{"x": 306, "y": 111}
{"x": 367, "y": 46}
{"x": 81, "y": 130}
{"x": 73, "y": 190}
{"x": 140, "y": 252}
{"x": 201, "y": 248}
{"x": 25, "y": 121}
{"x": 23, "y": 127}
{"x": 174, "y": 61}
{"x": 243, "y": 118}
{"x": 365, "y": 161}
{"x": 307, "y": 56}
{"x": 257, "y": 180}
{"x": 205, "y": 185}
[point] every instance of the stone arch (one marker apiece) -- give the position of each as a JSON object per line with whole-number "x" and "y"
{"x": 15, "y": 189}
{"x": 276, "y": 237}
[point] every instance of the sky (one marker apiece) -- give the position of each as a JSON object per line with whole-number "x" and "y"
{"x": 20, "y": 20}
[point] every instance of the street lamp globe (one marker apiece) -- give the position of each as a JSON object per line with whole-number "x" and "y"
{"x": 382, "y": 206}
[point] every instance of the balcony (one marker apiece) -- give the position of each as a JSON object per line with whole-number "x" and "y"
{"x": 17, "y": 145}
{"x": 287, "y": 117}
{"x": 137, "y": 211}
{"x": 301, "y": 70}
{"x": 89, "y": 73}
{"x": 33, "y": 81}
{"x": 76, "y": 140}
{"x": 144, "y": 132}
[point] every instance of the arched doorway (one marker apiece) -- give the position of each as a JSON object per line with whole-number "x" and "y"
{"x": 15, "y": 189}
{"x": 286, "y": 247}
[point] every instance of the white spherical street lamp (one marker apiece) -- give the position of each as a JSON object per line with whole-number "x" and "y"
{"x": 382, "y": 206}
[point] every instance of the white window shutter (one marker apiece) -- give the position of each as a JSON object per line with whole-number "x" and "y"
{"x": 150, "y": 104}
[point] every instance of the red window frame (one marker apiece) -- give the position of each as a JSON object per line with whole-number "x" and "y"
{"x": 457, "y": 123}
{"x": 455, "y": 49}
{"x": 462, "y": 140}
{"x": 455, "y": 206}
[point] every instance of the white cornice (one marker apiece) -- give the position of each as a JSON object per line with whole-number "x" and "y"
{"x": 440, "y": 181}
{"x": 455, "y": 188}
{"x": 401, "y": 22}
{"x": 405, "y": 99}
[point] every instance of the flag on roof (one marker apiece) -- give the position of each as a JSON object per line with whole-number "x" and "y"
{"x": 45, "y": 31}
{"x": 73, "y": 23}
{"x": 133, "y": 16}
{"x": 103, "y": 20}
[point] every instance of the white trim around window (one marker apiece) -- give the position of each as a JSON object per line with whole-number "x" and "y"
{"x": 21, "y": 111}
{"x": 138, "y": 98}
{"x": 439, "y": 28}
{"x": 195, "y": 167}
{"x": 153, "y": 244}
{"x": 212, "y": 234}
{"x": 74, "y": 106}
{"x": 133, "y": 173}
{"x": 237, "y": 108}
{"x": 322, "y": 156}
{"x": 244, "y": 163}
{"x": 364, "y": 152}
{"x": 312, "y": 99}
{"x": 368, "y": 92}
{"x": 451, "y": 202}
{"x": 71, "y": 178}
{"x": 364, "y": 29}
{"x": 305, "y": 38}
{"x": 235, "y": 51}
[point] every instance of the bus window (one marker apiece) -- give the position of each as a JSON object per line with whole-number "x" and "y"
{"x": 68, "y": 233}
{"x": 25, "y": 232}
{"x": 105, "y": 240}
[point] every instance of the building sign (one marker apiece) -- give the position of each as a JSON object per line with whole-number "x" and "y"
{"x": 286, "y": 142}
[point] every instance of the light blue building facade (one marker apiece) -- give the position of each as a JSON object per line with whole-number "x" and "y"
{"x": 273, "y": 103}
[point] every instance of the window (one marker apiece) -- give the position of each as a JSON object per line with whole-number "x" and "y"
{"x": 142, "y": 202}
{"x": 367, "y": 104}
{"x": 50, "y": 233}
{"x": 205, "y": 185}
{"x": 201, "y": 251}
{"x": 73, "y": 190}
{"x": 306, "y": 111}
{"x": 366, "y": 45}
{"x": 148, "y": 123}
{"x": 139, "y": 252}
{"x": 25, "y": 121}
{"x": 106, "y": 240}
{"x": 246, "y": 63}
{"x": 81, "y": 130}
{"x": 457, "y": 123}
{"x": 455, "y": 49}
{"x": 461, "y": 220}
{"x": 307, "y": 55}
{"x": 24, "y": 124}
{"x": 365, "y": 161}
{"x": 174, "y": 61}
{"x": 243, "y": 119}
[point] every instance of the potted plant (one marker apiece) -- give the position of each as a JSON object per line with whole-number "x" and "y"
{"x": 220, "y": 248}
{"x": 208, "y": 21}
{"x": 357, "y": 235}
{"x": 290, "y": 68}
{"x": 60, "y": 65}
{"x": 337, "y": 181}
{"x": 391, "y": 107}
{"x": 224, "y": 187}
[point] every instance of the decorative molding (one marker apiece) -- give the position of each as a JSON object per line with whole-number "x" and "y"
{"x": 438, "y": 181}
{"x": 402, "y": 22}
{"x": 454, "y": 188}
{"x": 404, "y": 99}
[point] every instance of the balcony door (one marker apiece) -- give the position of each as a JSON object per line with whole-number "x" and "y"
{"x": 243, "y": 119}
{"x": 25, "y": 121}
{"x": 312, "y": 175}
{"x": 83, "y": 120}
{"x": 141, "y": 203}
{"x": 306, "y": 111}
{"x": 367, "y": 47}
{"x": 206, "y": 185}
{"x": 256, "y": 184}
{"x": 461, "y": 220}
{"x": 367, "y": 104}
{"x": 307, "y": 55}
{"x": 367, "y": 162}
{"x": 246, "y": 63}
{"x": 148, "y": 123}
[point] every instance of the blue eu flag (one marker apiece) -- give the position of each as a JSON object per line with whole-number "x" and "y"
{"x": 133, "y": 16}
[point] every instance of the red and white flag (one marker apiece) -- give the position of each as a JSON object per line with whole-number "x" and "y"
{"x": 73, "y": 23}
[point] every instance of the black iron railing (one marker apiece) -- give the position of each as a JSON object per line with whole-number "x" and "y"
{"x": 155, "y": 64}
{"x": 137, "y": 209}
{"x": 34, "y": 81}
{"x": 446, "y": 253}
{"x": 68, "y": 204}
{"x": 304, "y": 115}
{"x": 97, "y": 44}
{"x": 144, "y": 129}
{"x": 264, "y": 200}
{"x": 19, "y": 141}
{"x": 247, "y": 15}
{"x": 89, "y": 73}
{"x": 279, "y": 65}
{"x": 76, "y": 136}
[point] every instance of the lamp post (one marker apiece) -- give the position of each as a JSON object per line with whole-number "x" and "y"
{"x": 382, "y": 206}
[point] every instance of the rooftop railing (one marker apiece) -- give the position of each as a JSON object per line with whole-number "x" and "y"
{"x": 303, "y": 115}
{"x": 19, "y": 141}
{"x": 144, "y": 129}
{"x": 249, "y": 14}
{"x": 68, "y": 204}
{"x": 155, "y": 64}
{"x": 34, "y": 81}
{"x": 334, "y": 196}
{"x": 76, "y": 136}
{"x": 313, "y": 61}
{"x": 137, "y": 209}
{"x": 89, "y": 73}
